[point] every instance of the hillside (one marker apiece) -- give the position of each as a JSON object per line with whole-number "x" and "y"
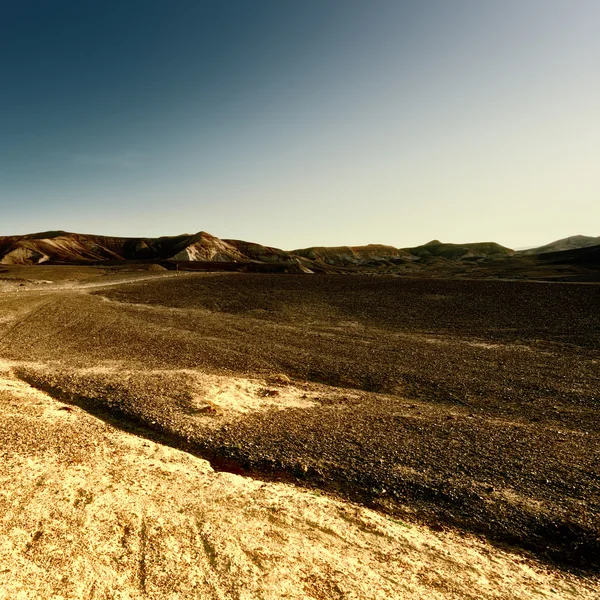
{"x": 481, "y": 250}
{"x": 353, "y": 255}
{"x": 67, "y": 247}
{"x": 61, "y": 246}
{"x": 573, "y": 242}
{"x": 572, "y": 258}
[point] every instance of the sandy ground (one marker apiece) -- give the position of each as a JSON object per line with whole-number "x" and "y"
{"x": 88, "y": 511}
{"x": 46, "y": 279}
{"x": 472, "y": 402}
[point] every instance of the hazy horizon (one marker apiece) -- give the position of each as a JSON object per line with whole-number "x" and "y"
{"x": 295, "y": 124}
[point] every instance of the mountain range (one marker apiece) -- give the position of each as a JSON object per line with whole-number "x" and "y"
{"x": 203, "y": 251}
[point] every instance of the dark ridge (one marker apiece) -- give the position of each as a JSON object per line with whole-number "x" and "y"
{"x": 589, "y": 256}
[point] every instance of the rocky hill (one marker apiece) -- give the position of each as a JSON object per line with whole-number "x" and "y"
{"x": 477, "y": 251}
{"x": 573, "y": 242}
{"x": 353, "y": 255}
{"x": 61, "y": 246}
{"x": 203, "y": 251}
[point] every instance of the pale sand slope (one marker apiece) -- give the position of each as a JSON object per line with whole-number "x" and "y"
{"x": 88, "y": 511}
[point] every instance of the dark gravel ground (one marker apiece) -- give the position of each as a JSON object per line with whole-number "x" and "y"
{"x": 478, "y": 403}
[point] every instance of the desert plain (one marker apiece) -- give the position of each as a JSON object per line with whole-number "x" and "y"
{"x": 171, "y": 434}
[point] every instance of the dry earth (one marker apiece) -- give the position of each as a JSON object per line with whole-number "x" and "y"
{"x": 87, "y": 511}
{"x": 448, "y": 407}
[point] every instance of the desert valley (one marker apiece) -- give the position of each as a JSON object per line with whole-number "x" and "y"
{"x": 193, "y": 417}
{"x": 370, "y": 368}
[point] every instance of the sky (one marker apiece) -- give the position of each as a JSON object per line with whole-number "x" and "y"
{"x": 295, "y": 123}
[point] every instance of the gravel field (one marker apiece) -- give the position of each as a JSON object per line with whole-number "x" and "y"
{"x": 468, "y": 404}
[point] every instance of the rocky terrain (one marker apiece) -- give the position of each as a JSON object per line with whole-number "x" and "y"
{"x": 456, "y": 407}
{"x": 90, "y": 511}
{"x": 571, "y": 259}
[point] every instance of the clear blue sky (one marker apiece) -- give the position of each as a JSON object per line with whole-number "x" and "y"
{"x": 302, "y": 122}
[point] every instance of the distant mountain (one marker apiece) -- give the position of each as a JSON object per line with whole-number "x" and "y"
{"x": 569, "y": 243}
{"x": 203, "y": 251}
{"x": 60, "y": 247}
{"x": 64, "y": 247}
{"x": 479, "y": 250}
{"x": 344, "y": 256}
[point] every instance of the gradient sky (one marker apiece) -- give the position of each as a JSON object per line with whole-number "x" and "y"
{"x": 302, "y": 122}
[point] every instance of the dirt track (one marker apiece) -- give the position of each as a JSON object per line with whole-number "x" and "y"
{"x": 464, "y": 403}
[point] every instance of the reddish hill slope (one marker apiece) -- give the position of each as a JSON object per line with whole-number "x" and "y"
{"x": 72, "y": 247}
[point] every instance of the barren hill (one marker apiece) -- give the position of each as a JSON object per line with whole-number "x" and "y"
{"x": 203, "y": 251}
{"x": 202, "y": 247}
{"x": 353, "y": 255}
{"x": 573, "y": 242}
{"x": 480, "y": 250}
{"x": 67, "y": 247}
{"x": 61, "y": 246}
